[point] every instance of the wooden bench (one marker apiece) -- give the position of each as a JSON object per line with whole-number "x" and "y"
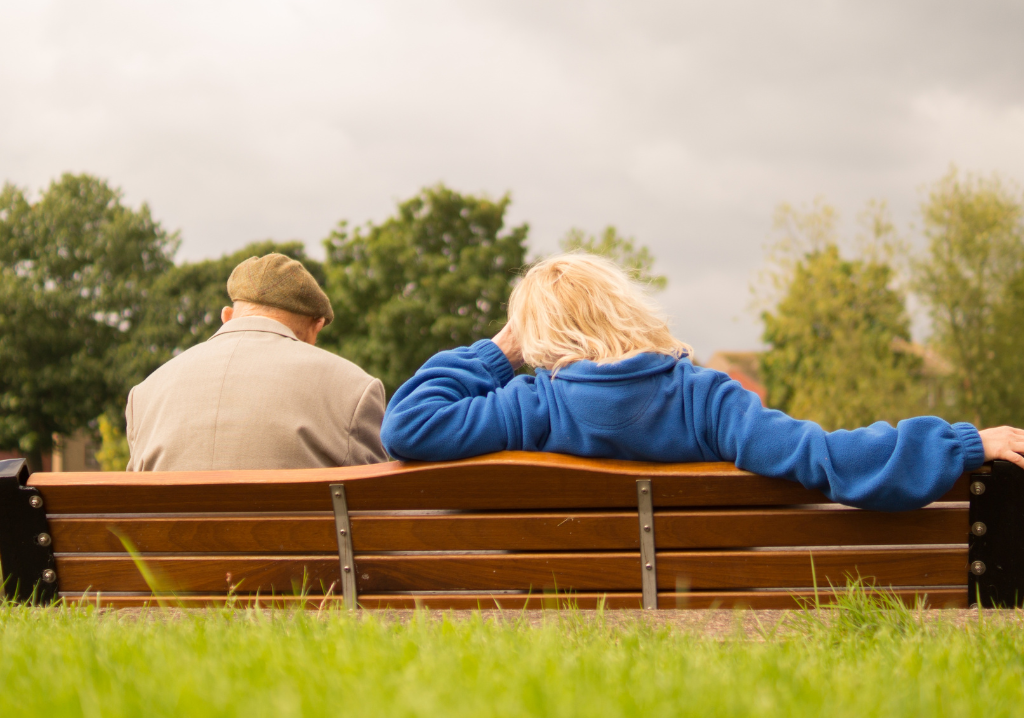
{"x": 509, "y": 530}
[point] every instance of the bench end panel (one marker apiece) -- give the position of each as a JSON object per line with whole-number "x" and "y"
{"x": 26, "y": 550}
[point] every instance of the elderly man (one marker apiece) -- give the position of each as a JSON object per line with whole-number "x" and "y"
{"x": 259, "y": 394}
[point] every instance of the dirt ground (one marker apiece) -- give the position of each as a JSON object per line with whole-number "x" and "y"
{"x": 714, "y": 623}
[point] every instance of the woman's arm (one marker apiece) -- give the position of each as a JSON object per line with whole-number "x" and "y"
{"x": 508, "y": 342}
{"x": 878, "y": 467}
{"x": 1003, "y": 442}
{"x": 451, "y": 408}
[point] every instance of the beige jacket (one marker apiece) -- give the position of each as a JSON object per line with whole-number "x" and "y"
{"x": 255, "y": 397}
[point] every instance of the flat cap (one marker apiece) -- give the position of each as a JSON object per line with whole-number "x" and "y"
{"x": 279, "y": 281}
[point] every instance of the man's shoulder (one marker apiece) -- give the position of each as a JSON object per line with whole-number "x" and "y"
{"x": 303, "y": 359}
{"x": 181, "y": 363}
{"x": 215, "y": 354}
{"x": 339, "y": 364}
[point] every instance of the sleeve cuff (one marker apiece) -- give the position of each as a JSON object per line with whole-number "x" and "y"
{"x": 970, "y": 440}
{"x": 496, "y": 362}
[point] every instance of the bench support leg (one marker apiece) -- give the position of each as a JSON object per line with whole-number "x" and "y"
{"x": 345, "y": 553}
{"x": 26, "y": 550}
{"x": 648, "y": 560}
{"x": 995, "y": 563}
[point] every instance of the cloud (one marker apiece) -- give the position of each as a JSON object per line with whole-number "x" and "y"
{"x": 684, "y": 124}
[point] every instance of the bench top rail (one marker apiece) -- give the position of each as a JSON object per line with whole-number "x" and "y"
{"x": 506, "y": 480}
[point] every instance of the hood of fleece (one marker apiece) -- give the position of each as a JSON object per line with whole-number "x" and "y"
{"x": 638, "y": 367}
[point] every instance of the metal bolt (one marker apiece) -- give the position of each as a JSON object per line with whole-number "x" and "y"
{"x": 643, "y": 491}
{"x": 649, "y": 567}
{"x": 977, "y": 488}
{"x": 346, "y": 569}
{"x": 973, "y": 606}
{"x": 647, "y": 527}
{"x": 43, "y": 539}
{"x": 49, "y": 575}
{"x": 341, "y": 531}
{"x": 978, "y": 528}
{"x": 35, "y": 502}
{"x": 338, "y": 494}
{"x": 978, "y": 568}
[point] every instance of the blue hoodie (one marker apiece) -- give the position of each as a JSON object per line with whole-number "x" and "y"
{"x": 651, "y": 407}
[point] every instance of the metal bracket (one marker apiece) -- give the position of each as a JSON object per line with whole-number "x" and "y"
{"x": 648, "y": 560}
{"x": 995, "y": 552}
{"x": 345, "y": 553}
{"x": 26, "y": 546}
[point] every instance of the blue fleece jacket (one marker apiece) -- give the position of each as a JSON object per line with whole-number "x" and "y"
{"x": 652, "y": 407}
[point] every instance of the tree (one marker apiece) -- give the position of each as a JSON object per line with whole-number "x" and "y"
{"x": 621, "y": 250}
{"x": 75, "y": 269}
{"x": 839, "y": 330}
{"x": 433, "y": 277}
{"x": 972, "y": 279}
{"x": 114, "y": 453}
{"x": 1004, "y": 382}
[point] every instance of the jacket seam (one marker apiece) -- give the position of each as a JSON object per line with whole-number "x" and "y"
{"x": 513, "y": 441}
{"x": 631, "y": 419}
{"x": 352, "y": 422}
{"x": 220, "y": 399}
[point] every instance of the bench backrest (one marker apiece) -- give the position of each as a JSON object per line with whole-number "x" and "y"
{"x": 509, "y": 530}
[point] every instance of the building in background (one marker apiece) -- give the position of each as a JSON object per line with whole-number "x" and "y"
{"x": 70, "y": 453}
{"x": 744, "y": 367}
{"x": 936, "y": 372}
{"x": 47, "y": 458}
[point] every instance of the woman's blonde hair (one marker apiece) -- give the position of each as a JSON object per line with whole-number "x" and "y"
{"x": 581, "y": 306}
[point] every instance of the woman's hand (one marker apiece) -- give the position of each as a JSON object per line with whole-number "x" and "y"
{"x": 1003, "y": 442}
{"x": 509, "y": 344}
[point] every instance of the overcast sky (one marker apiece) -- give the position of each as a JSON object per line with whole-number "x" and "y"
{"x": 682, "y": 123}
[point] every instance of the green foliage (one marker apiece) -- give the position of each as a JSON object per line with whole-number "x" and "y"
{"x": 972, "y": 278}
{"x": 113, "y": 454}
{"x": 837, "y": 331}
{"x": 857, "y": 661}
{"x": 75, "y": 270}
{"x": 184, "y": 308}
{"x": 622, "y": 250}
{"x": 433, "y": 277}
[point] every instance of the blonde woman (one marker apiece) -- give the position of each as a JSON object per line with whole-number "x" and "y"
{"x": 612, "y": 382}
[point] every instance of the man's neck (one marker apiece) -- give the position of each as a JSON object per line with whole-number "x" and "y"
{"x": 304, "y": 328}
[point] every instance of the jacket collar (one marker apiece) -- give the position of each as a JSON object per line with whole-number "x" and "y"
{"x": 638, "y": 367}
{"x": 256, "y": 324}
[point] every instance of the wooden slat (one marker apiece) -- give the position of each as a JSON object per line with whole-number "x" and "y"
{"x": 305, "y": 533}
{"x": 266, "y": 574}
{"x": 779, "y": 569}
{"x": 618, "y": 571}
{"x": 510, "y": 480}
{"x": 803, "y": 527}
{"x": 269, "y": 574}
{"x": 394, "y": 601}
{"x": 507, "y": 480}
{"x": 270, "y": 533}
{"x": 311, "y": 533}
{"x": 934, "y": 598}
{"x": 698, "y": 569}
{"x": 612, "y": 571}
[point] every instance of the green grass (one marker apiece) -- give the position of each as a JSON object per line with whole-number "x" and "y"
{"x": 868, "y": 658}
